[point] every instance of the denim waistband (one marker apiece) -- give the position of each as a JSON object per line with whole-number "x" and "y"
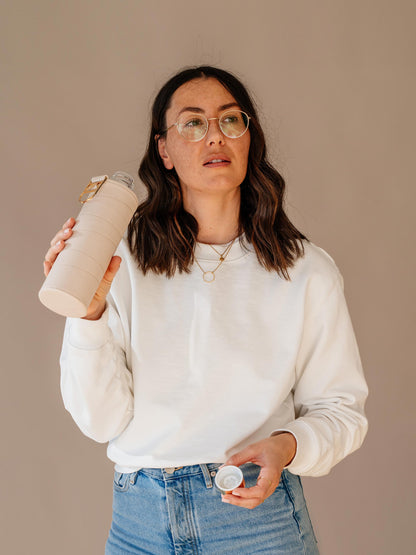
{"x": 208, "y": 471}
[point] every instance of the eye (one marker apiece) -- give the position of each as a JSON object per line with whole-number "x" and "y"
{"x": 193, "y": 122}
{"x": 231, "y": 119}
{"x": 234, "y": 117}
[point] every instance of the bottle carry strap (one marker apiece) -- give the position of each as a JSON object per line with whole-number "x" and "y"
{"x": 92, "y": 188}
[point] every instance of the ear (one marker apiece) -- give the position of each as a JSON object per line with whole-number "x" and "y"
{"x": 161, "y": 145}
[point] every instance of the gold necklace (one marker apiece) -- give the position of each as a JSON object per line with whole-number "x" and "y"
{"x": 209, "y": 275}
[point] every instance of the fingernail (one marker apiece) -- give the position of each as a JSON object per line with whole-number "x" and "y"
{"x": 225, "y": 500}
{"x": 66, "y": 231}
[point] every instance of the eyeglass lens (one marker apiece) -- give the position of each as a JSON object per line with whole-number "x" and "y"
{"x": 194, "y": 126}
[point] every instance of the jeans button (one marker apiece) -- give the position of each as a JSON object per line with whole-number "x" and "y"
{"x": 169, "y": 469}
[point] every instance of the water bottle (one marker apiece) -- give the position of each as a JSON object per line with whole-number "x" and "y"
{"x": 108, "y": 205}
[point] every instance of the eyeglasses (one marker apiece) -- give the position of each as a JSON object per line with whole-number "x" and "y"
{"x": 194, "y": 127}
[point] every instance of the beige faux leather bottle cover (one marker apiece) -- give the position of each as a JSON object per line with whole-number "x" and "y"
{"x": 79, "y": 268}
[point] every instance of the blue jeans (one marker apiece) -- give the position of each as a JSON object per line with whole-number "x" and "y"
{"x": 179, "y": 511}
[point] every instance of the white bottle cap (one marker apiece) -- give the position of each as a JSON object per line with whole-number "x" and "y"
{"x": 228, "y": 478}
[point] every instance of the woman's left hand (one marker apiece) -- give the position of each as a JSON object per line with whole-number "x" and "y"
{"x": 272, "y": 455}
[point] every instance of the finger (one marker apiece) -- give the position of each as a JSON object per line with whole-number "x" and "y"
{"x": 64, "y": 232}
{"x": 58, "y": 243}
{"x": 46, "y": 267}
{"x": 267, "y": 485}
{"x": 113, "y": 267}
{"x": 267, "y": 477}
{"x": 109, "y": 275}
{"x": 69, "y": 223}
{"x": 53, "y": 252}
{"x": 241, "y": 502}
{"x": 250, "y": 497}
{"x": 243, "y": 456}
{"x": 267, "y": 482}
{"x": 255, "y": 492}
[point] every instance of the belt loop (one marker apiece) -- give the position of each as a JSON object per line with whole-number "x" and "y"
{"x": 133, "y": 477}
{"x": 207, "y": 475}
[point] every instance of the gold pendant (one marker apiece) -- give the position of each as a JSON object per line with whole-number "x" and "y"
{"x": 208, "y": 277}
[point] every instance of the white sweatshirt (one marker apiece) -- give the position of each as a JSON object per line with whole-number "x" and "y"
{"x": 179, "y": 371}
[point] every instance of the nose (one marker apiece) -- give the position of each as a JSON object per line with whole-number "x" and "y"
{"x": 214, "y": 134}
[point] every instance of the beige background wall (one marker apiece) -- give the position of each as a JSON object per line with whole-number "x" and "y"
{"x": 335, "y": 85}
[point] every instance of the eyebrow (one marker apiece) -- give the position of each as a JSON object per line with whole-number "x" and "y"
{"x": 201, "y": 111}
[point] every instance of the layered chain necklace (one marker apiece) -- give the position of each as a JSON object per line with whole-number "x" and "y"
{"x": 209, "y": 275}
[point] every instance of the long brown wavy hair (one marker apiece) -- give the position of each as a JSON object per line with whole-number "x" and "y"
{"x": 162, "y": 234}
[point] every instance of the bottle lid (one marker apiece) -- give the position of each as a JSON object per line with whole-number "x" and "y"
{"x": 228, "y": 478}
{"x": 123, "y": 177}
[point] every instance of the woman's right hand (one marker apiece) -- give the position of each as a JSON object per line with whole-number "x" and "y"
{"x": 98, "y": 303}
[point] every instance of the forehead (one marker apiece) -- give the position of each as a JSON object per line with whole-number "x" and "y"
{"x": 205, "y": 93}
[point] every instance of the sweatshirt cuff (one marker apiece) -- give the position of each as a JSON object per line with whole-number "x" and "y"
{"x": 306, "y": 447}
{"x": 89, "y": 334}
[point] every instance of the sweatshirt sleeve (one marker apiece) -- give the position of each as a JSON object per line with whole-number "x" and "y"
{"x": 96, "y": 384}
{"x": 330, "y": 389}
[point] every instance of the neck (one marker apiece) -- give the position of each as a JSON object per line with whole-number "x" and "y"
{"x": 217, "y": 217}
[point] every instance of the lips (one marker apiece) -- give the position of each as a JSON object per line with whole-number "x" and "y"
{"x": 217, "y": 160}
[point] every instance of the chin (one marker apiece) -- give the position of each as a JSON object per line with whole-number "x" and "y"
{"x": 222, "y": 187}
{"x": 219, "y": 184}
{"x": 224, "y": 182}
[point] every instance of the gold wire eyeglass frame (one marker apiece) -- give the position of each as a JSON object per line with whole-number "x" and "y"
{"x": 207, "y": 120}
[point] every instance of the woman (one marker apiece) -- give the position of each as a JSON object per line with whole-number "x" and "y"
{"x": 225, "y": 338}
